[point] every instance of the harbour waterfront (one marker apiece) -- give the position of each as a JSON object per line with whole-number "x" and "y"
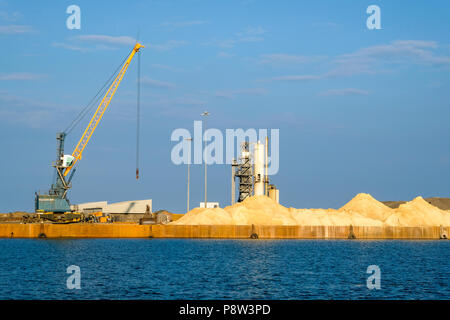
{"x": 223, "y": 269}
{"x": 116, "y": 230}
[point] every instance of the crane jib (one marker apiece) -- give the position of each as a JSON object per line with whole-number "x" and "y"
{"x": 77, "y": 154}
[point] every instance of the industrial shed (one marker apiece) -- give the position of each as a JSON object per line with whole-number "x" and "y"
{"x": 125, "y": 211}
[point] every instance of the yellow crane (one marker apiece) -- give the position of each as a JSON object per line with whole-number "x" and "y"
{"x": 55, "y": 206}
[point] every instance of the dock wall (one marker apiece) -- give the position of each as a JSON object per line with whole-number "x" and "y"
{"x": 118, "y": 230}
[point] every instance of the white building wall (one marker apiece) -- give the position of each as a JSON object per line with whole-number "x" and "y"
{"x": 209, "y": 205}
{"x": 89, "y": 205}
{"x": 135, "y": 206}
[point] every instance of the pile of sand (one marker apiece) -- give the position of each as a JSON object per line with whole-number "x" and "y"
{"x": 418, "y": 212}
{"x": 362, "y": 210}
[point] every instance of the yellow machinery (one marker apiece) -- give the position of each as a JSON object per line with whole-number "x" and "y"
{"x": 55, "y": 206}
{"x": 100, "y": 111}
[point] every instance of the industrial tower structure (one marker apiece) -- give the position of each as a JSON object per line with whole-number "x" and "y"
{"x": 252, "y": 171}
{"x": 244, "y": 172}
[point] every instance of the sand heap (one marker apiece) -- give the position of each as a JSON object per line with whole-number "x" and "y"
{"x": 418, "y": 212}
{"x": 362, "y": 210}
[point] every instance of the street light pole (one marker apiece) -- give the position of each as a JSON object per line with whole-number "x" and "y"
{"x": 188, "y": 174}
{"x": 205, "y": 114}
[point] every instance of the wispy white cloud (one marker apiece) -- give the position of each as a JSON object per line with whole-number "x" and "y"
{"x": 30, "y": 112}
{"x": 80, "y": 48}
{"x": 106, "y": 42}
{"x": 282, "y": 58}
{"x": 394, "y": 53}
{"x": 344, "y": 92}
{"x": 21, "y": 76}
{"x": 10, "y": 17}
{"x": 30, "y": 118}
{"x": 247, "y": 2}
{"x": 328, "y": 24}
{"x": 95, "y": 42}
{"x": 164, "y": 67}
{"x": 16, "y": 29}
{"x": 180, "y": 106}
{"x": 69, "y": 46}
{"x": 230, "y": 94}
{"x": 105, "y": 39}
{"x": 231, "y": 43}
{"x": 181, "y": 24}
{"x": 292, "y": 78}
{"x": 250, "y": 34}
{"x": 370, "y": 60}
{"x": 225, "y": 55}
{"x": 156, "y": 83}
{"x": 251, "y": 31}
{"x": 168, "y": 45}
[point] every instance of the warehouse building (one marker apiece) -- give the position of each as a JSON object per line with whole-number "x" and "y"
{"x": 125, "y": 211}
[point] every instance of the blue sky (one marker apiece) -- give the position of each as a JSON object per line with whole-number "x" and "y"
{"x": 358, "y": 110}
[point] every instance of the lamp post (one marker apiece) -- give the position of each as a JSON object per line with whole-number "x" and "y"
{"x": 205, "y": 114}
{"x": 188, "y": 174}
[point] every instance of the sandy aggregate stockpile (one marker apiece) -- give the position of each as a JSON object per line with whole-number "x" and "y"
{"x": 362, "y": 210}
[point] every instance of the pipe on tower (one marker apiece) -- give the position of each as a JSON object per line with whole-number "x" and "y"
{"x": 266, "y": 162}
{"x": 259, "y": 169}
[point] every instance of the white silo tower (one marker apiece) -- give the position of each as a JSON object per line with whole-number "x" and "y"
{"x": 258, "y": 157}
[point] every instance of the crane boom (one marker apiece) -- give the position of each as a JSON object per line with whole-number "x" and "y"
{"x": 77, "y": 153}
{"x": 54, "y": 205}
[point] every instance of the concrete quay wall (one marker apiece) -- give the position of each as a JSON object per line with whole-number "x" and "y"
{"x": 118, "y": 230}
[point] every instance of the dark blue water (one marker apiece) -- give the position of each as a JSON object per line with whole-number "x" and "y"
{"x": 223, "y": 269}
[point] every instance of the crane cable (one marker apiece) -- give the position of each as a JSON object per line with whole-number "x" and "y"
{"x": 138, "y": 111}
{"x": 95, "y": 99}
